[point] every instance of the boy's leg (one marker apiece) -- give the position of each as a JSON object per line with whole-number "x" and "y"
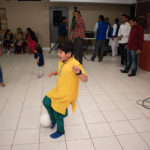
{"x": 47, "y": 104}
{"x": 40, "y": 71}
{"x": 60, "y": 124}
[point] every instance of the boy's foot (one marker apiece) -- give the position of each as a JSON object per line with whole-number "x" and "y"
{"x": 52, "y": 125}
{"x": 2, "y": 84}
{"x": 40, "y": 76}
{"x": 56, "y": 135}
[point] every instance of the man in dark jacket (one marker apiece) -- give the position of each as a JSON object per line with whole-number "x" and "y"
{"x": 134, "y": 46}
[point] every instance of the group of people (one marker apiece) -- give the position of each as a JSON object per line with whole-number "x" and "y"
{"x": 20, "y": 41}
{"x": 125, "y": 38}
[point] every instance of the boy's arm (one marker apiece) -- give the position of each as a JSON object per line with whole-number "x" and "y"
{"x": 53, "y": 73}
{"x": 77, "y": 71}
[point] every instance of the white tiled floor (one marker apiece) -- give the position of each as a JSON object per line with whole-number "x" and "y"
{"x": 107, "y": 116}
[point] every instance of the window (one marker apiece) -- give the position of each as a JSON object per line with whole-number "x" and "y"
{"x": 57, "y": 15}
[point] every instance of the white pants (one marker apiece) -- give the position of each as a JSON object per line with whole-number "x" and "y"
{"x": 40, "y": 70}
{"x": 114, "y": 44}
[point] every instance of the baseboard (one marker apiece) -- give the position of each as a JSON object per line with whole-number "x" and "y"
{"x": 46, "y": 48}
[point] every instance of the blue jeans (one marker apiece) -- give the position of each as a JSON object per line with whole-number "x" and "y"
{"x": 1, "y": 75}
{"x": 132, "y": 59}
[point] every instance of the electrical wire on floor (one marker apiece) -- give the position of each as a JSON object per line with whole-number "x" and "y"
{"x": 145, "y": 103}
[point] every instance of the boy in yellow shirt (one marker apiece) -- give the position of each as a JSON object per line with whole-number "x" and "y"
{"x": 66, "y": 91}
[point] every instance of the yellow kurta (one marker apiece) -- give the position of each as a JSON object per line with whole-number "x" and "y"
{"x": 66, "y": 90}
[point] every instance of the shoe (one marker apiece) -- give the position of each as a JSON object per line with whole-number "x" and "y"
{"x": 131, "y": 75}
{"x": 124, "y": 71}
{"x": 39, "y": 76}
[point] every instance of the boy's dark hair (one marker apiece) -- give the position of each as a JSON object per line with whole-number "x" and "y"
{"x": 133, "y": 19}
{"x": 66, "y": 46}
{"x": 101, "y": 17}
{"x": 39, "y": 49}
{"x": 117, "y": 20}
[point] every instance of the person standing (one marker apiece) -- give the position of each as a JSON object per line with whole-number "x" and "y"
{"x": 78, "y": 35}
{"x": 63, "y": 30}
{"x": 134, "y": 46}
{"x": 101, "y": 28}
{"x": 123, "y": 37}
{"x": 113, "y": 37}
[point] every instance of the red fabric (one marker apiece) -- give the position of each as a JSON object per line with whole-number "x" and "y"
{"x": 31, "y": 44}
{"x": 79, "y": 30}
{"x": 144, "y": 59}
{"x": 136, "y": 37}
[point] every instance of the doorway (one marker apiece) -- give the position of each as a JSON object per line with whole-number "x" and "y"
{"x": 56, "y": 14}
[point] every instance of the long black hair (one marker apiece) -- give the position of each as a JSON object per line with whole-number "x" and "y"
{"x": 5, "y": 35}
{"x": 32, "y": 35}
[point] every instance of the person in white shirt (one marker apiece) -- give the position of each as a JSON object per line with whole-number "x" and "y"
{"x": 113, "y": 42}
{"x": 123, "y": 36}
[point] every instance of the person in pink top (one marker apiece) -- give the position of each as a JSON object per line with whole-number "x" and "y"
{"x": 32, "y": 40}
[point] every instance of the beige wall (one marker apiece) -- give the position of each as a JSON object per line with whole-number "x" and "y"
{"x": 36, "y": 15}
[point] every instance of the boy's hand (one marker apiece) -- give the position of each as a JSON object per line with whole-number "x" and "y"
{"x": 52, "y": 74}
{"x": 76, "y": 69}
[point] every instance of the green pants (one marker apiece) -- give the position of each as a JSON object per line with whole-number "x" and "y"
{"x": 55, "y": 117}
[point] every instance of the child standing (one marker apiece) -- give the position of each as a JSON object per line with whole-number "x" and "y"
{"x": 66, "y": 91}
{"x": 38, "y": 55}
